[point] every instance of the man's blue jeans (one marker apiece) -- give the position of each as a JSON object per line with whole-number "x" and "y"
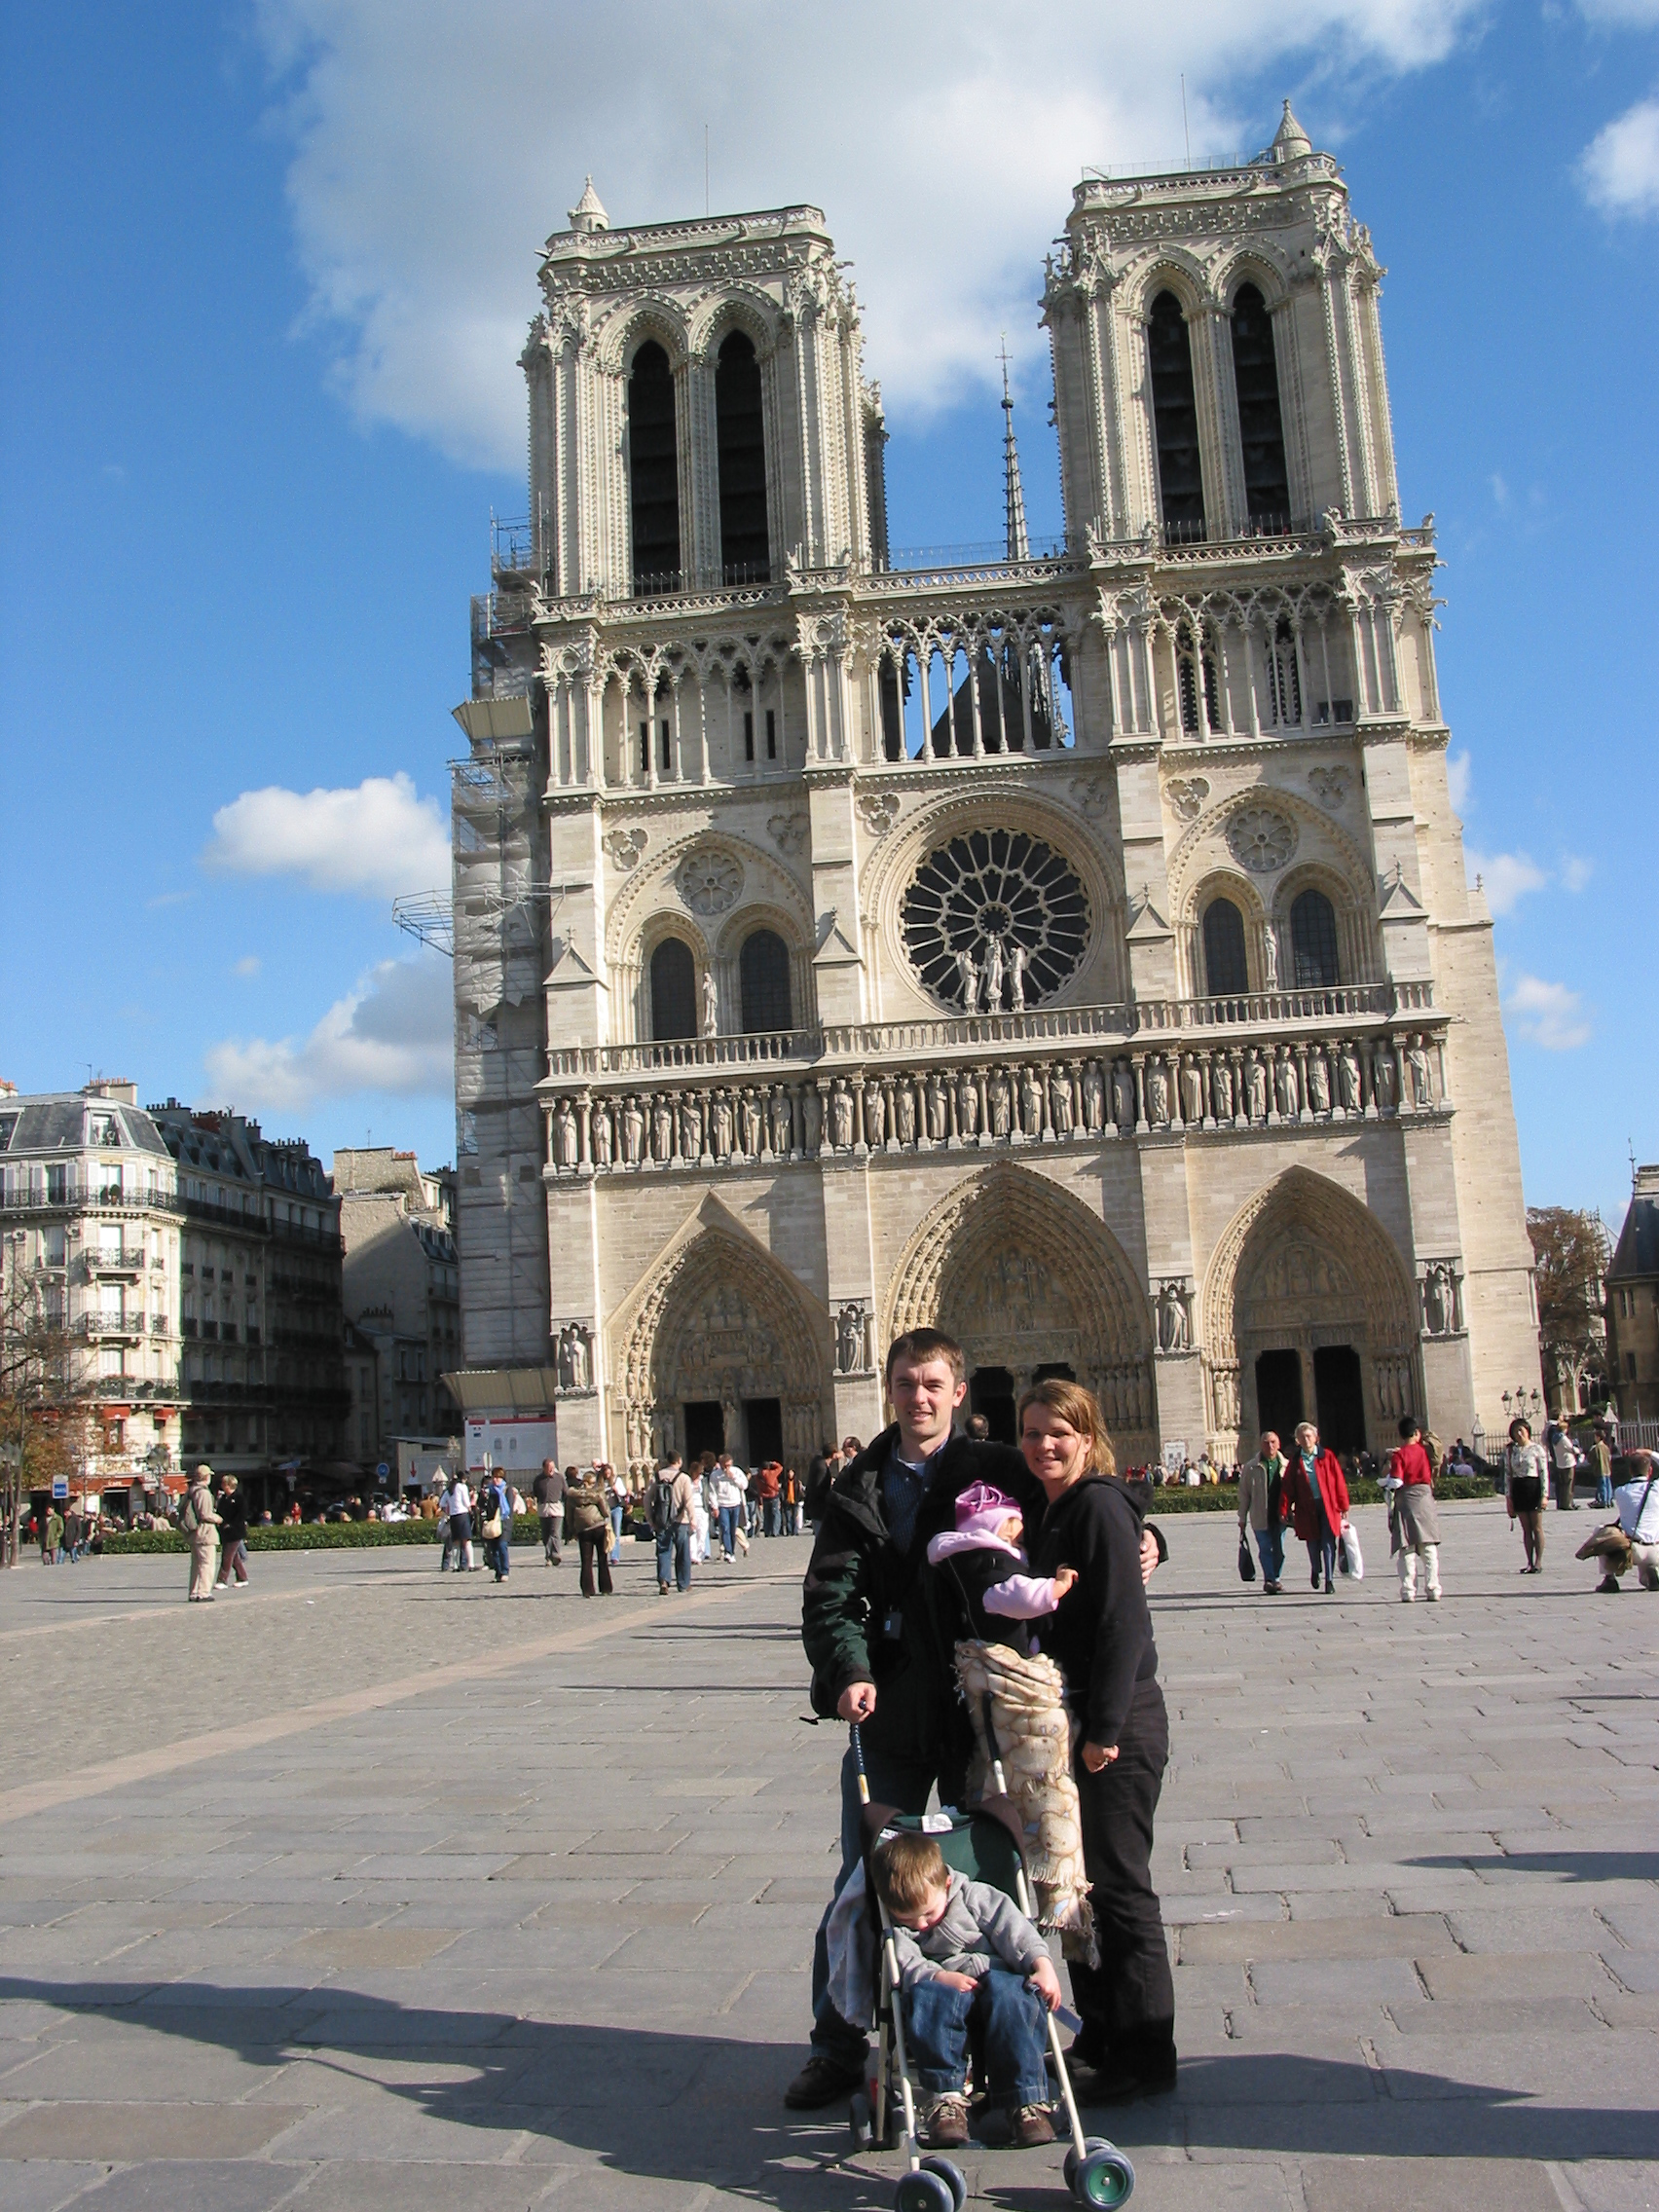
{"x": 1603, "y": 1489}
{"x": 905, "y": 1785}
{"x": 673, "y": 1556}
{"x": 772, "y": 1515}
{"x": 728, "y": 1528}
{"x": 616, "y": 1534}
{"x": 1005, "y": 2020}
{"x": 1269, "y": 1550}
{"x": 1322, "y": 1553}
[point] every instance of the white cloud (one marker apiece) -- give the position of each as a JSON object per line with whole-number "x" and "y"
{"x": 1620, "y": 169}
{"x": 435, "y": 147}
{"x": 249, "y": 964}
{"x": 377, "y": 838}
{"x": 1547, "y": 1014}
{"x": 1636, "y": 13}
{"x": 1575, "y": 871}
{"x": 1459, "y": 782}
{"x": 1506, "y": 877}
{"x": 394, "y": 1032}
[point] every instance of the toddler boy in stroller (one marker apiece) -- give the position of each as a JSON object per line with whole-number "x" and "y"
{"x": 970, "y": 1963}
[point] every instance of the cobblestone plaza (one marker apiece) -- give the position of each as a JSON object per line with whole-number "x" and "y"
{"x": 370, "y": 1887}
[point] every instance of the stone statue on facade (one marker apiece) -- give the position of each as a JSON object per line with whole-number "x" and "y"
{"x": 783, "y": 1122}
{"x": 811, "y": 1120}
{"x": 1122, "y": 1095}
{"x": 840, "y": 1118}
{"x": 1319, "y": 1083}
{"x": 1030, "y": 1103}
{"x": 967, "y": 1104}
{"x": 1192, "y": 1090}
{"x": 720, "y": 1119}
{"x": 1348, "y": 1075}
{"x": 1157, "y": 1095}
{"x": 1172, "y": 1333}
{"x": 939, "y": 1109}
{"x": 1017, "y": 961}
{"x": 662, "y": 1130}
{"x": 874, "y": 1114}
{"x": 969, "y": 976}
{"x": 750, "y": 1126}
{"x": 1269, "y": 958}
{"x": 690, "y": 1127}
{"x": 1221, "y": 1089}
{"x": 633, "y": 1131}
{"x": 1256, "y": 1081}
{"x": 1434, "y": 1302}
{"x": 1422, "y": 1086}
{"x": 1060, "y": 1100}
{"x": 1383, "y": 1079}
{"x": 1289, "y": 1087}
{"x": 992, "y": 993}
{"x": 998, "y": 1099}
{"x": 848, "y": 1338}
{"x": 711, "y": 1016}
{"x": 904, "y": 1112}
{"x": 563, "y": 1135}
{"x": 1094, "y": 1098}
{"x": 572, "y": 1358}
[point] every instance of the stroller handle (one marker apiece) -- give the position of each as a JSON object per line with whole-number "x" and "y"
{"x": 857, "y": 1760}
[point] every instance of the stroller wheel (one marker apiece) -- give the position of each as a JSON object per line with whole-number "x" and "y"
{"x": 1091, "y": 2143}
{"x": 952, "y": 2176}
{"x": 860, "y": 2122}
{"x": 924, "y": 2192}
{"x": 1105, "y": 2177}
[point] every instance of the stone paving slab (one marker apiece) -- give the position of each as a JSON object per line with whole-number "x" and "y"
{"x": 524, "y": 1916}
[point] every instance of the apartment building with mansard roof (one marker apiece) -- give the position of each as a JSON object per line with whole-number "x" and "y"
{"x": 1068, "y": 945}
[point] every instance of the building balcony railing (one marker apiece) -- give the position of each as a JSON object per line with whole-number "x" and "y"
{"x": 109, "y": 1325}
{"x": 74, "y": 1195}
{"x": 105, "y": 1262}
{"x": 250, "y": 1221}
{"x": 969, "y": 1033}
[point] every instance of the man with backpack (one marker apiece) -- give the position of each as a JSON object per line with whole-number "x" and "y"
{"x": 668, "y": 1509}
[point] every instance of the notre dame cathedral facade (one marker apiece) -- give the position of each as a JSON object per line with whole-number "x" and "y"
{"x": 1069, "y": 947}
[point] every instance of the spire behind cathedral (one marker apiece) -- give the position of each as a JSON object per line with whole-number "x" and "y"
{"x": 1013, "y": 495}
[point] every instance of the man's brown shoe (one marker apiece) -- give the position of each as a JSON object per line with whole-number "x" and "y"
{"x": 820, "y": 2082}
{"x": 1031, "y": 2127}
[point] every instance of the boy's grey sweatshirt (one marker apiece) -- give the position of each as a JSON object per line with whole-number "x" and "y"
{"x": 980, "y": 1927}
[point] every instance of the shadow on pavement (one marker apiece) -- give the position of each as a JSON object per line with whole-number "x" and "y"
{"x": 1575, "y": 1865}
{"x": 685, "y": 2107}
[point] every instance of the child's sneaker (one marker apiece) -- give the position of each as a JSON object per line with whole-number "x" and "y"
{"x": 945, "y": 2125}
{"x": 1031, "y": 2127}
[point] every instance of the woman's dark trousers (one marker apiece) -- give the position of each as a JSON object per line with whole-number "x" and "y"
{"x": 1128, "y": 2003}
{"x": 594, "y": 1546}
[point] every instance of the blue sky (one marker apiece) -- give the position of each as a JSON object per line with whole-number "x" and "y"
{"x": 265, "y": 270}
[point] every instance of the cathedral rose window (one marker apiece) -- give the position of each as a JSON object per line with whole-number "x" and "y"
{"x": 995, "y": 921}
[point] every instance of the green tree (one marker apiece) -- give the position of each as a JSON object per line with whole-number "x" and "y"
{"x": 48, "y": 1422}
{"x": 1571, "y": 1252}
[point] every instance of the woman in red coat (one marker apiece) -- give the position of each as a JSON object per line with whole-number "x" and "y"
{"x": 1315, "y": 1496}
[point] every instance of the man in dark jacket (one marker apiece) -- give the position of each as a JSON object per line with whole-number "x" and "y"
{"x": 875, "y": 1651}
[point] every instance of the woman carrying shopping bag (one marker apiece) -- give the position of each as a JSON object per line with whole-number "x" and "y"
{"x": 1316, "y": 1499}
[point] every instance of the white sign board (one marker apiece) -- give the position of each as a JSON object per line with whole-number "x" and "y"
{"x": 60, "y": 1489}
{"x": 516, "y": 1443}
{"x": 1175, "y": 1454}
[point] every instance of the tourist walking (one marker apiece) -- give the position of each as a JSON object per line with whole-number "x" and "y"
{"x": 1261, "y": 1510}
{"x": 51, "y": 1537}
{"x": 1526, "y": 1480}
{"x": 587, "y": 1516}
{"x": 791, "y": 1493}
{"x": 458, "y": 1509}
{"x": 728, "y": 1507}
{"x": 769, "y": 1489}
{"x": 869, "y": 1638}
{"x": 1564, "y": 1458}
{"x": 1413, "y": 1519}
{"x": 232, "y": 1534}
{"x": 616, "y": 1496}
{"x": 667, "y": 1506}
{"x": 497, "y": 1513}
{"x": 1316, "y": 1497}
{"x": 549, "y": 1489}
{"x": 1101, "y": 1638}
{"x": 1601, "y": 1459}
{"x": 199, "y": 1521}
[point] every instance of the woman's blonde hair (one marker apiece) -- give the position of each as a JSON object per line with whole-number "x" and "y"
{"x": 1078, "y": 1409}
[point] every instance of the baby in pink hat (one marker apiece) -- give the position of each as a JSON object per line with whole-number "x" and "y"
{"x": 981, "y": 1563}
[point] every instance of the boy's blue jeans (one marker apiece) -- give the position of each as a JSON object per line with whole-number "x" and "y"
{"x": 1005, "y": 2020}
{"x": 674, "y": 1554}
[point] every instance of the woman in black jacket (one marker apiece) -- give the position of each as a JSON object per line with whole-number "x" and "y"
{"x": 1102, "y": 1636}
{"x": 232, "y": 1532}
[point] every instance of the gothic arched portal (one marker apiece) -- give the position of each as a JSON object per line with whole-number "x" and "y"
{"x": 1030, "y": 1282}
{"x": 1308, "y": 1315}
{"x": 717, "y": 1350}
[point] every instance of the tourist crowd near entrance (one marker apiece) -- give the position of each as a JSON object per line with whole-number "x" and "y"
{"x": 1069, "y": 948}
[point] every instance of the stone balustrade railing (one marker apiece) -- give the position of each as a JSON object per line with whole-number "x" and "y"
{"x": 970, "y": 1033}
{"x": 1247, "y": 1084}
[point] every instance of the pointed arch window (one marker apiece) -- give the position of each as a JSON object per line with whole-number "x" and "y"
{"x": 1260, "y": 428}
{"x": 1227, "y": 972}
{"x": 653, "y": 471}
{"x": 673, "y": 991}
{"x": 1313, "y": 942}
{"x": 1195, "y": 671}
{"x": 741, "y": 441}
{"x": 1284, "y": 678}
{"x": 1175, "y": 418}
{"x": 764, "y": 978}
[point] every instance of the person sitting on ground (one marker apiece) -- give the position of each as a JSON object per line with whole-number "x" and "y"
{"x": 1633, "y": 1540}
{"x": 969, "y": 1961}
